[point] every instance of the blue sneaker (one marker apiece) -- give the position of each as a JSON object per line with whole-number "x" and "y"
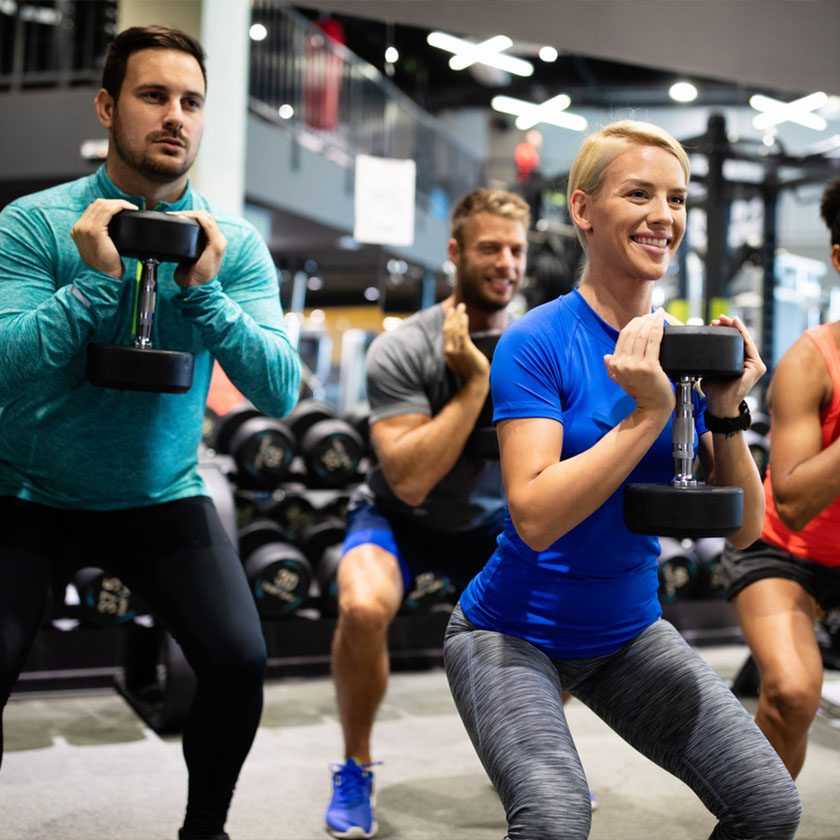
{"x": 350, "y": 813}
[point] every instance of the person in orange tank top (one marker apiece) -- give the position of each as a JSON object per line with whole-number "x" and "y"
{"x": 777, "y": 585}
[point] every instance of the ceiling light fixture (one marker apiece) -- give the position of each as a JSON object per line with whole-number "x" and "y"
{"x": 552, "y": 111}
{"x": 489, "y": 52}
{"x": 682, "y": 92}
{"x": 799, "y": 111}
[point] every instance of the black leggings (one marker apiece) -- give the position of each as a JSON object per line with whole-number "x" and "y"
{"x": 176, "y": 557}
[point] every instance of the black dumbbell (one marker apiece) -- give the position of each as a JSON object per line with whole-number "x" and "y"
{"x": 759, "y": 446}
{"x": 678, "y": 570}
{"x": 278, "y": 573}
{"x": 153, "y": 238}
{"x": 292, "y": 509}
{"x": 305, "y": 415}
{"x": 332, "y": 451}
{"x": 261, "y": 446}
{"x": 429, "y": 592}
{"x": 104, "y": 599}
{"x": 760, "y": 423}
{"x": 710, "y": 582}
{"x": 359, "y": 418}
{"x": 687, "y": 507}
{"x": 483, "y": 442}
{"x": 336, "y": 506}
{"x": 321, "y": 542}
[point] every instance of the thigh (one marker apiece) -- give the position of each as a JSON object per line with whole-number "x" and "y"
{"x": 370, "y": 577}
{"x": 777, "y": 617}
{"x": 186, "y": 570}
{"x": 508, "y": 694}
{"x": 663, "y": 699}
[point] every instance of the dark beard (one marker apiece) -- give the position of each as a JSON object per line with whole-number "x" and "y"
{"x": 143, "y": 164}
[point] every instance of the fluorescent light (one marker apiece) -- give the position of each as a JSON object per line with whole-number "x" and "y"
{"x": 799, "y": 111}
{"x": 548, "y": 54}
{"x": 552, "y": 111}
{"x": 391, "y": 55}
{"x": 683, "y": 92}
{"x": 286, "y": 111}
{"x": 489, "y": 52}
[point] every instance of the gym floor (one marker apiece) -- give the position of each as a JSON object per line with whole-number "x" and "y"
{"x": 79, "y": 767}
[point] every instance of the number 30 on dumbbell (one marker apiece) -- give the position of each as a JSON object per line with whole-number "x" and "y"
{"x": 686, "y": 507}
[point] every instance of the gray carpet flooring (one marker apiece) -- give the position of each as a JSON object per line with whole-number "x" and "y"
{"x": 85, "y": 767}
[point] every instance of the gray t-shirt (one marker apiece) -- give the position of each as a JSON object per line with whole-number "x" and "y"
{"x": 407, "y": 374}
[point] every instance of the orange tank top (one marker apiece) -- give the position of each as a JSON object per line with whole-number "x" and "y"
{"x": 819, "y": 540}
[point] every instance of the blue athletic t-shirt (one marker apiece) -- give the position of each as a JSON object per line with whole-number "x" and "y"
{"x": 596, "y": 587}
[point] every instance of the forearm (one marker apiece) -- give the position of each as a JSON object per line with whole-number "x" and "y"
{"x": 809, "y": 488}
{"x": 258, "y": 358}
{"x": 420, "y": 458}
{"x": 39, "y": 337}
{"x": 735, "y": 467}
{"x": 560, "y": 497}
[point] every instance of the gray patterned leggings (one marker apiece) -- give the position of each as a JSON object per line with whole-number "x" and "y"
{"x": 655, "y": 692}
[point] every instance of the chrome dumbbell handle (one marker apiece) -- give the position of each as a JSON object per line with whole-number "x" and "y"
{"x": 146, "y": 302}
{"x": 683, "y": 434}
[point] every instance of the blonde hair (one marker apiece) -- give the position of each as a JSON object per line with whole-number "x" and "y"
{"x": 601, "y": 148}
{"x": 497, "y": 202}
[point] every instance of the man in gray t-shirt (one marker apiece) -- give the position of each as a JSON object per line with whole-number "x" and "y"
{"x": 428, "y": 503}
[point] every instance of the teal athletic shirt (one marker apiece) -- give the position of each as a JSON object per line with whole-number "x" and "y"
{"x": 65, "y": 443}
{"x": 596, "y": 587}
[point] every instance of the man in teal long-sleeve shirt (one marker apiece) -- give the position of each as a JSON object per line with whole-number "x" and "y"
{"x": 83, "y": 466}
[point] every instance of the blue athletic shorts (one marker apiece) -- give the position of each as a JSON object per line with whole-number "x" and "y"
{"x": 418, "y": 548}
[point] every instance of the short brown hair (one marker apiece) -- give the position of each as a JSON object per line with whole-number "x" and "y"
{"x": 144, "y": 38}
{"x": 496, "y": 202}
{"x": 830, "y": 210}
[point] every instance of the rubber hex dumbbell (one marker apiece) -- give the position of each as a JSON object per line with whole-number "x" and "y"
{"x": 687, "y": 507}
{"x": 278, "y": 573}
{"x": 104, "y": 599}
{"x": 678, "y": 570}
{"x": 153, "y": 238}
{"x": 709, "y": 551}
{"x": 483, "y": 442}
{"x": 261, "y": 446}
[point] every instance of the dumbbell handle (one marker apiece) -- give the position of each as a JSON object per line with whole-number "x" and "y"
{"x": 683, "y": 434}
{"x": 146, "y": 302}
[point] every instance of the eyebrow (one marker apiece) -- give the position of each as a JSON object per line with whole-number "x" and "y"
{"x": 165, "y": 89}
{"x": 638, "y": 182}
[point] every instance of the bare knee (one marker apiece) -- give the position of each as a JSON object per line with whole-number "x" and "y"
{"x": 369, "y": 590}
{"x": 792, "y": 698}
{"x": 367, "y": 616}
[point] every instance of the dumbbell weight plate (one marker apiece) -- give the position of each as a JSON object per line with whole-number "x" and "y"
{"x": 305, "y": 415}
{"x": 163, "y": 236}
{"x": 280, "y": 577}
{"x": 428, "y": 591}
{"x": 291, "y": 509}
{"x": 662, "y": 510}
{"x": 709, "y": 553}
{"x": 702, "y": 351}
{"x": 332, "y": 450}
{"x": 678, "y": 571}
{"x": 104, "y": 599}
{"x": 136, "y": 369}
{"x": 227, "y": 425}
{"x": 263, "y": 449}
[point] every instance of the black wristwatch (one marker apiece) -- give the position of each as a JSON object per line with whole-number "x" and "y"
{"x": 730, "y": 425}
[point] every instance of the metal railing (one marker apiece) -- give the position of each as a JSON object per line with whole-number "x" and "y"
{"x": 336, "y": 103}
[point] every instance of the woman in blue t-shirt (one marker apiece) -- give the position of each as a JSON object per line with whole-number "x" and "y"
{"x": 568, "y": 602}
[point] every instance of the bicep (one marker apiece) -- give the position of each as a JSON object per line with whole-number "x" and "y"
{"x": 527, "y": 447}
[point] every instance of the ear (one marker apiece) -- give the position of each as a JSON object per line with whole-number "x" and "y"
{"x": 453, "y": 251}
{"x": 105, "y": 106}
{"x": 579, "y": 210}
{"x": 835, "y": 257}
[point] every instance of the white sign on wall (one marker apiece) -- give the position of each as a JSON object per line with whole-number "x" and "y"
{"x": 384, "y": 200}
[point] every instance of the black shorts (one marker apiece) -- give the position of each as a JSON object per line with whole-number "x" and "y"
{"x": 762, "y": 560}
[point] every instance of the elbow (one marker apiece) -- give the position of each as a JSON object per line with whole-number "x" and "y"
{"x": 530, "y": 532}
{"x": 792, "y": 518}
{"x": 412, "y": 496}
